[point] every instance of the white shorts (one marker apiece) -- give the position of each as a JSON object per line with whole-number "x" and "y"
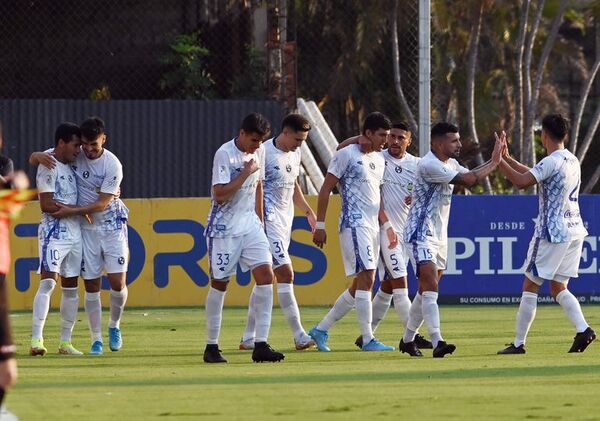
{"x": 426, "y": 251}
{"x": 394, "y": 260}
{"x": 552, "y": 261}
{"x": 360, "y": 249}
{"x": 250, "y": 251}
{"x": 104, "y": 251}
{"x": 60, "y": 256}
{"x": 279, "y": 242}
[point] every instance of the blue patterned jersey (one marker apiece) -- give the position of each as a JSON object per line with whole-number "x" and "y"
{"x": 559, "y": 177}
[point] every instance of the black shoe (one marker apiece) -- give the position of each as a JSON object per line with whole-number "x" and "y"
{"x": 422, "y": 343}
{"x": 512, "y": 349}
{"x": 212, "y": 354}
{"x": 410, "y": 348}
{"x": 263, "y": 352}
{"x": 358, "y": 342}
{"x": 442, "y": 349}
{"x": 582, "y": 340}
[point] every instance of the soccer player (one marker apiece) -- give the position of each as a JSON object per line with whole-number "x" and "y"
{"x": 359, "y": 169}
{"x": 398, "y": 183}
{"x": 104, "y": 229}
{"x": 234, "y": 234}
{"x": 281, "y": 193}
{"x": 555, "y": 249}
{"x": 59, "y": 241}
{"x": 427, "y": 228}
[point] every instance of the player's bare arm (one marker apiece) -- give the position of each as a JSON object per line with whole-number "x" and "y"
{"x": 385, "y": 223}
{"x": 510, "y": 160}
{"x": 303, "y": 205}
{"x": 350, "y": 141}
{"x": 224, "y": 192}
{"x": 320, "y": 236}
{"x": 42, "y": 158}
{"x": 477, "y": 175}
{"x": 99, "y": 205}
{"x": 259, "y": 204}
{"x": 47, "y": 203}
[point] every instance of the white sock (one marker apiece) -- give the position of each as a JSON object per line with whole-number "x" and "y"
{"x": 289, "y": 306}
{"x": 342, "y": 306}
{"x": 364, "y": 311}
{"x": 380, "y": 305}
{"x": 415, "y": 319}
{"x": 93, "y": 309}
{"x": 402, "y": 304}
{"x": 214, "y": 314}
{"x": 69, "y": 305}
{"x": 525, "y": 316}
{"x": 431, "y": 315}
{"x": 572, "y": 309}
{"x": 262, "y": 310}
{"x": 117, "y": 305}
{"x": 251, "y": 319}
{"x": 41, "y": 306}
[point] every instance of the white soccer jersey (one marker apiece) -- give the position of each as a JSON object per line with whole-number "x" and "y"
{"x": 559, "y": 177}
{"x": 398, "y": 182}
{"x": 62, "y": 182}
{"x": 281, "y": 172}
{"x": 237, "y": 215}
{"x": 101, "y": 175}
{"x": 430, "y": 209}
{"x": 360, "y": 177}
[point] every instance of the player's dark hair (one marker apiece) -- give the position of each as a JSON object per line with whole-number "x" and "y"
{"x": 375, "y": 121}
{"x": 66, "y": 131}
{"x": 401, "y": 125}
{"x": 296, "y": 122}
{"x": 256, "y": 123}
{"x": 92, "y": 127}
{"x": 556, "y": 126}
{"x": 442, "y": 128}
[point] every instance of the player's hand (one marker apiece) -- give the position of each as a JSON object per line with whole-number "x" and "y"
{"x": 118, "y": 193}
{"x": 312, "y": 220}
{"x": 392, "y": 237}
{"x": 499, "y": 147}
{"x": 46, "y": 159}
{"x": 319, "y": 237}
{"x": 89, "y": 218}
{"x": 63, "y": 211}
{"x": 8, "y": 372}
{"x": 408, "y": 200}
{"x": 250, "y": 167}
{"x": 17, "y": 180}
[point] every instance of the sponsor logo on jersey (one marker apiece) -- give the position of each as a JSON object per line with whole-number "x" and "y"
{"x": 372, "y": 165}
{"x": 398, "y": 169}
{"x": 86, "y": 174}
{"x": 121, "y": 260}
{"x": 288, "y": 168}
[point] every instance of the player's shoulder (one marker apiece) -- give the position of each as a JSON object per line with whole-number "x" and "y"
{"x": 226, "y": 148}
{"x": 110, "y": 157}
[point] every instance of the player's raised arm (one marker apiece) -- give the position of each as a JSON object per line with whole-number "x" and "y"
{"x": 320, "y": 236}
{"x": 303, "y": 205}
{"x": 518, "y": 174}
{"x": 42, "y": 158}
{"x": 477, "y": 175}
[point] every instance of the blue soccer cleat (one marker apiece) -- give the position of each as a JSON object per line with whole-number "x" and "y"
{"x": 375, "y": 345}
{"x": 114, "y": 338}
{"x": 320, "y": 337}
{"x": 97, "y": 348}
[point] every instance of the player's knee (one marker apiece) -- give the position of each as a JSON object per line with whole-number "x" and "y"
{"x": 556, "y": 288}
{"x": 386, "y": 286}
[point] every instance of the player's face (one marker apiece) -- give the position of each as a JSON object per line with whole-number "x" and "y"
{"x": 93, "y": 148}
{"x": 71, "y": 149}
{"x": 451, "y": 145}
{"x": 294, "y": 139}
{"x": 378, "y": 138}
{"x": 398, "y": 141}
{"x": 249, "y": 142}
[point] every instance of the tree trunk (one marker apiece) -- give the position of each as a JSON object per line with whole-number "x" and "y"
{"x": 397, "y": 81}
{"x": 593, "y": 181}
{"x": 518, "y": 132}
{"x": 471, "y": 67}
{"x": 585, "y": 91}
{"x": 589, "y": 136}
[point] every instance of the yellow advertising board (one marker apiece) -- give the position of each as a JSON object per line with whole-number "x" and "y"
{"x": 169, "y": 264}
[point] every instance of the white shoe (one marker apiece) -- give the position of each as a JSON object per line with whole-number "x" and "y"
{"x": 246, "y": 345}
{"x": 304, "y": 342}
{"x": 6, "y": 415}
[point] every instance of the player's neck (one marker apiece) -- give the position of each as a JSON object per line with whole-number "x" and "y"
{"x": 59, "y": 157}
{"x": 440, "y": 156}
{"x": 553, "y": 147}
{"x": 279, "y": 144}
{"x": 365, "y": 147}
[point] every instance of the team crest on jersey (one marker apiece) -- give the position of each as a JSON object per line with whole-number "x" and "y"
{"x": 121, "y": 260}
{"x": 86, "y": 174}
{"x": 288, "y": 168}
{"x": 372, "y": 165}
{"x": 398, "y": 169}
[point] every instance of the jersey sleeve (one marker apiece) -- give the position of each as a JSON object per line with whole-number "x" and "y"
{"x": 221, "y": 172}
{"x": 339, "y": 163}
{"x": 434, "y": 171}
{"x": 543, "y": 169}
{"x": 113, "y": 178}
{"x": 45, "y": 179}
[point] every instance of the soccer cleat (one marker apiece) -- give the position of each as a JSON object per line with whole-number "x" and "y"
{"x": 37, "y": 348}
{"x": 409, "y": 348}
{"x": 67, "y": 348}
{"x": 97, "y": 348}
{"x": 304, "y": 343}
{"x": 375, "y": 345}
{"x": 246, "y": 345}
{"x": 512, "y": 349}
{"x": 358, "y": 342}
{"x": 263, "y": 352}
{"x": 320, "y": 337}
{"x": 442, "y": 349}
{"x": 114, "y": 338}
{"x": 422, "y": 343}
{"x": 582, "y": 340}
{"x": 212, "y": 354}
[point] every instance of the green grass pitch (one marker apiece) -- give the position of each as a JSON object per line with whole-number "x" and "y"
{"x": 159, "y": 373}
